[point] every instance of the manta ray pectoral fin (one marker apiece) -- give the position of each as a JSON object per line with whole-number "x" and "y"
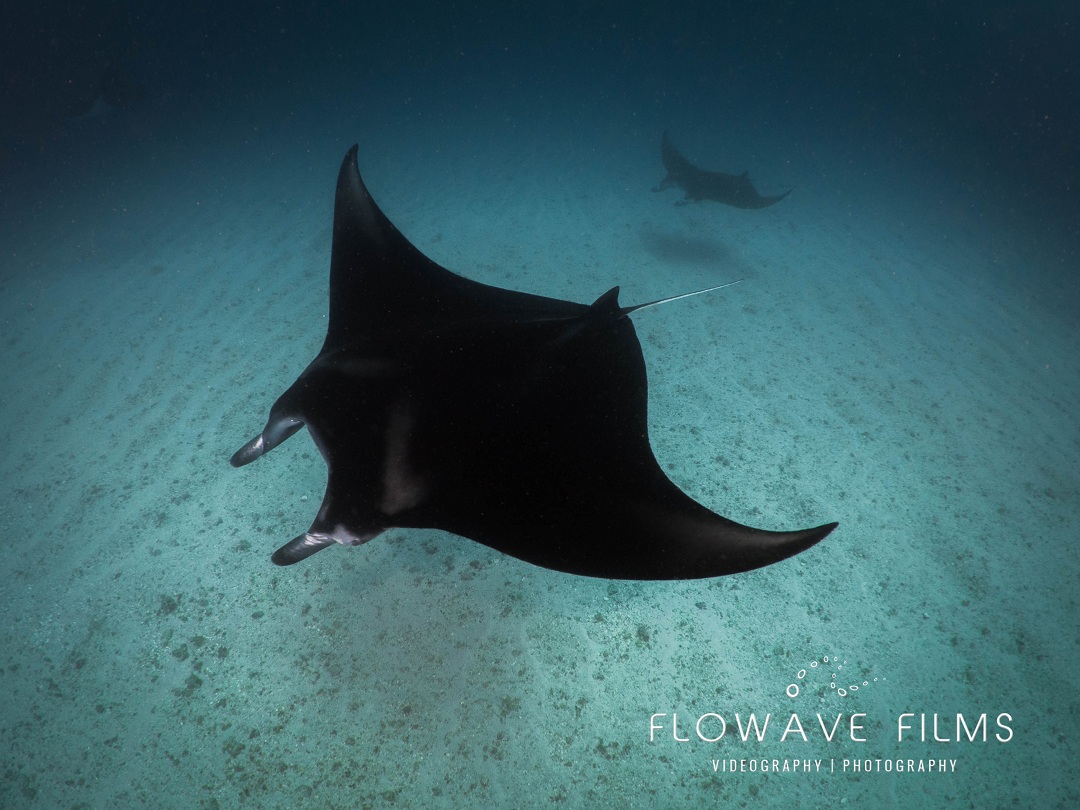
{"x": 691, "y": 542}
{"x": 277, "y": 430}
{"x": 743, "y": 548}
{"x": 765, "y": 202}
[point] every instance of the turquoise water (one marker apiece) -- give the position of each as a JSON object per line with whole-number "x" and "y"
{"x": 902, "y": 358}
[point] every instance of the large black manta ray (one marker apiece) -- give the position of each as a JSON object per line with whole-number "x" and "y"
{"x": 700, "y": 184}
{"x": 514, "y": 420}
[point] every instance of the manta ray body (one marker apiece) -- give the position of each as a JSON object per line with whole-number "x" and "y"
{"x": 699, "y": 184}
{"x": 515, "y": 420}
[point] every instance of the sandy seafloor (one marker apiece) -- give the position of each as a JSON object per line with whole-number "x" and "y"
{"x": 902, "y": 357}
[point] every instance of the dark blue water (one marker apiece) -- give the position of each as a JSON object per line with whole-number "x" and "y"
{"x": 901, "y": 357}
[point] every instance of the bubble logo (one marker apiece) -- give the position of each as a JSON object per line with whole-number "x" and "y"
{"x": 831, "y": 668}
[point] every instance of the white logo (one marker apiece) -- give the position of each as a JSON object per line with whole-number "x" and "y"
{"x": 829, "y": 668}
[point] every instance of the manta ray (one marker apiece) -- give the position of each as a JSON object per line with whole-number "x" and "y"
{"x": 731, "y": 189}
{"x": 511, "y": 419}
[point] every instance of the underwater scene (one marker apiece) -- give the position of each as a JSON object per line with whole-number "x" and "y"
{"x": 804, "y": 535}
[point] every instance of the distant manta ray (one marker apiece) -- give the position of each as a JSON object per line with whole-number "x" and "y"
{"x": 515, "y": 420}
{"x": 731, "y": 189}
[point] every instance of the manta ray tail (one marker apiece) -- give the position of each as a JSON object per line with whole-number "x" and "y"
{"x": 627, "y": 310}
